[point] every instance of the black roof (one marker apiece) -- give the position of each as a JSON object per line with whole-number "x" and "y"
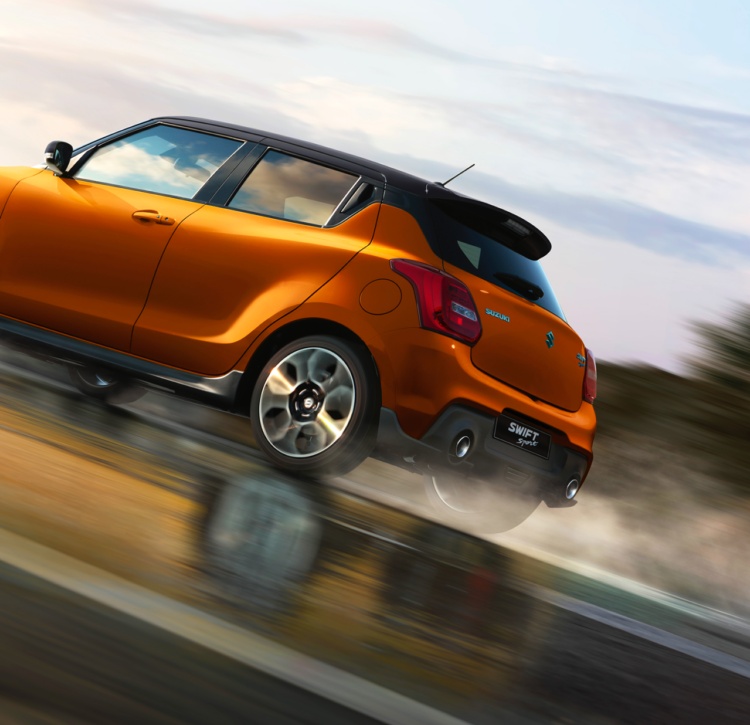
{"x": 400, "y": 179}
{"x": 509, "y": 228}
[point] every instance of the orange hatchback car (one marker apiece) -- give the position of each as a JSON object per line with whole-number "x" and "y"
{"x": 347, "y": 308}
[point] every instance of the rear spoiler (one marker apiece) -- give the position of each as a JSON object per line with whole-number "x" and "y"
{"x": 508, "y": 229}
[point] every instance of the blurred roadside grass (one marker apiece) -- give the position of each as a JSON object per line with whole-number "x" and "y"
{"x": 704, "y": 416}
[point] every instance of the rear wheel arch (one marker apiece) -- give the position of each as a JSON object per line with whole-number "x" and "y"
{"x": 288, "y": 333}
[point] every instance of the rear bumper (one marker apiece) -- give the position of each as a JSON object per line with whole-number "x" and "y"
{"x": 512, "y": 469}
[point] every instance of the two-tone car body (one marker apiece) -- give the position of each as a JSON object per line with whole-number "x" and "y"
{"x": 345, "y": 307}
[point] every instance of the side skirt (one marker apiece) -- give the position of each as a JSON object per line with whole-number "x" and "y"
{"x": 217, "y": 392}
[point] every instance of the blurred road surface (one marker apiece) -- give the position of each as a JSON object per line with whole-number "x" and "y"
{"x": 67, "y": 659}
{"x": 450, "y": 625}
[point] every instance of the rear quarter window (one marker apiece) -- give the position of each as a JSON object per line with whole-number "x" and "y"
{"x": 288, "y": 187}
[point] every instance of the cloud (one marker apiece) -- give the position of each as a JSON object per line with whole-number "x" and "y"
{"x": 722, "y": 134}
{"x": 624, "y": 221}
{"x": 646, "y": 227}
{"x": 314, "y": 29}
{"x": 153, "y": 13}
{"x": 127, "y": 89}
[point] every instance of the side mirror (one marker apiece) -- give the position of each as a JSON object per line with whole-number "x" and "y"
{"x": 57, "y": 156}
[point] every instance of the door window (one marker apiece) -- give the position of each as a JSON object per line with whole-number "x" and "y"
{"x": 287, "y": 187}
{"x": 160, "y": 159}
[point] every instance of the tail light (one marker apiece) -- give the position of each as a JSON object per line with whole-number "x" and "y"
{"x": 445, "y": 303}
{"x": 589, "y": 382}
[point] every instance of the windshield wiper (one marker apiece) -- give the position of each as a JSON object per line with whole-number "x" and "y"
{"x": 526, "y": 289}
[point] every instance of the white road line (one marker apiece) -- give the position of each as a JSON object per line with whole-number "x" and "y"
{"x": 648, "y": 632}
{"x": 213, "y": 633}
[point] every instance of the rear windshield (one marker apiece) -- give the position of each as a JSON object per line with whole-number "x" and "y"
{"x": 470, "y": 250}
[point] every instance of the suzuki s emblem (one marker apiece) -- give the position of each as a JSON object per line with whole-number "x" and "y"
{"x": 550, "y": 339}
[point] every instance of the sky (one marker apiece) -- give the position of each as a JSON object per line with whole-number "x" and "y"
{"x": 621, "y": 129}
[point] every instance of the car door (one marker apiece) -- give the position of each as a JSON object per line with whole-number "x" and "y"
{"x": 230, "y": 271}
{"x": 78, "y": 254}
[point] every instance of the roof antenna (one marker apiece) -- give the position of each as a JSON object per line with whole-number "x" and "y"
{"x": 445, "y": 183}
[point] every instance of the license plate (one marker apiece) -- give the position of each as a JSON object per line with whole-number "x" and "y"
{"x": 522, "y": 435}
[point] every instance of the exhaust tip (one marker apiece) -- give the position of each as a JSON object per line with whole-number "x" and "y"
{"x": 572, "y": 489}
{"x": 462, "y": 446}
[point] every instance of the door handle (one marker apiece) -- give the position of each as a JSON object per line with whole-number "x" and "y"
{"x": 149, "y": 215}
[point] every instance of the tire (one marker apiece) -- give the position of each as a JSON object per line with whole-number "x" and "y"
{"x": 314, "y": 406}
{"x": 103, "y": 385}
{"x": 474, "y": 505}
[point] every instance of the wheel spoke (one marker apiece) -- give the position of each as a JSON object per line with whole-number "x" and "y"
{"x": 331, "y": 428}
{"x": 269, "y": 402}
{"x": 279, "y": 384}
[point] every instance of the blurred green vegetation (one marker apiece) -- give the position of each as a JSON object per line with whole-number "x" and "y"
{"x": 702, "y": 417}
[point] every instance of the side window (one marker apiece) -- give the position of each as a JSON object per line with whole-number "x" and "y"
{"x": 160, "y": 159}
{"x": 287, "y": 187}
